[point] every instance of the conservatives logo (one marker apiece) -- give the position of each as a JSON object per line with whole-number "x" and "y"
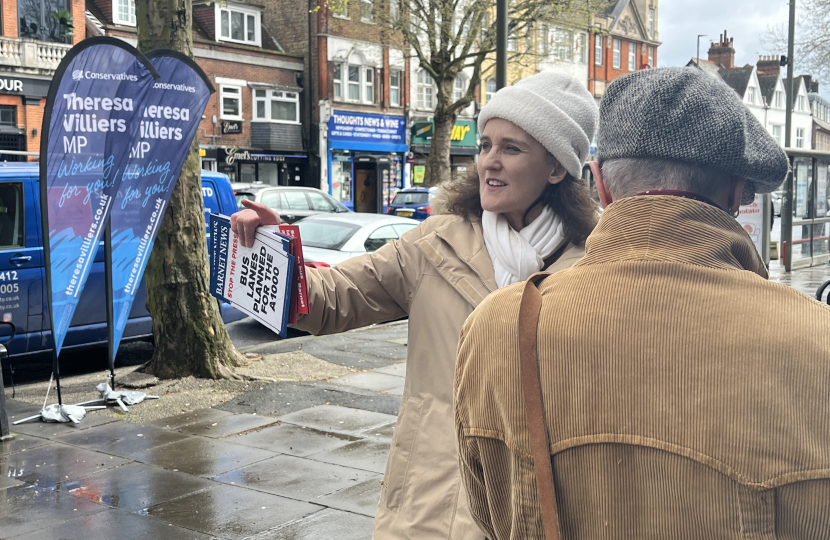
{"x": 78, "y": 75}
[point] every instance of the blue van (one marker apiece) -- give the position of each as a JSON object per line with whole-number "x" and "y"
{"x": 22, "y": 274}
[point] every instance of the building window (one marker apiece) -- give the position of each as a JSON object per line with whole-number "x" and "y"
{"x": 489, "y": 90}
{"x": 354, "y": 83}
{"x": 544, "y": 32}
{"x": 778, "y": 98}
{"x": 424, "y": 95}
{"x": 337, "y": 77}
{"x": 616, "y": 63}
{"x": 367, "y": 8}
{"x": 800, "y": 103}
{"x": 650, "y": 56}
{"x": 124, "y": 12}
{"x": 582, "y": 48}
{"x": 240, "y": 25}
{"x": 276, "y": 106}
{"x": 343, "y": 13}
{"x": 394, "y": 10}
{"x": 8, "y": 115}
{"x": 563, "y": 43}
{"x": 369, "y": 85}
{"x": 799, "y": 137}
{"x": 231, "y": 98}
{"x": 457, "y": 89}
{"x": 512, "y": 42}
{"x": 750, "y": 94}
{"x": 632, "y": 56}
{"x": 651, "y": 23}
{"x": 35, "y": 20}
{"x": 598, "y": 49}
{"x": 395, "y": 88}
{"x": 776, "y": 134}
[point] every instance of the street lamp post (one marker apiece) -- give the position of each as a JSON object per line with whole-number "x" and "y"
{"x": 501, "y": 44}
{"x": 697, "y": 58}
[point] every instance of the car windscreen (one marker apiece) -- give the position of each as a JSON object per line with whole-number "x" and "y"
{"x": 417, "y": 197}
{"x": 326, "y": 234}
{"x": 240, "y": 196}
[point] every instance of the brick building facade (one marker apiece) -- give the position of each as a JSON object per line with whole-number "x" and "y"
{"x": 32, "y": 45}
{"x": 624, "y": 38}
{"x": 253, "y": 128}
{"x": 357, "y": 79}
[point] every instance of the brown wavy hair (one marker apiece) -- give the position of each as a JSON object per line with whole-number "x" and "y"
{"x": 570, "y": 199}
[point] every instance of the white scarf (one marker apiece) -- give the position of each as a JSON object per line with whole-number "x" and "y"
{"x": 516, "y": 255}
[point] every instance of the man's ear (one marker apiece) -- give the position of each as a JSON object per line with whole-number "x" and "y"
{"x": 605, "y": 197}
{"x": 735, "y": 190}
{"x": 558, "y": 174}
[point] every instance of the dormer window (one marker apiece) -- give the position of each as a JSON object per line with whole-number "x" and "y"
{"x": 123, "y": 12}
{"x": 238, "y": 25}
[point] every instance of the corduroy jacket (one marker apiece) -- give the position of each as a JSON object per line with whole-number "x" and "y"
{"x": 686, "y": 396}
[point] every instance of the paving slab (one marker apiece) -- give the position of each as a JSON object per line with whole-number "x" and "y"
{"x": 135, "y": 487}
{"x": 230, "y": 511}
{"x": 368, "y": 455}
{"x": 228, "y": 425}
{"x": 351, "y": 350}
{"x": 114, "y": 524}
{"x": 396, "y": 391}
{"x": 326, "y": 524}
{"x": 398, "y": 369}
{"x": 382, "y": 332}
{"x": 285, "y": 397}
{"x": 293, "y": 440}
{"x": 53, "y": 430}
{"x": 21, "y": 443}
{"x": 21, "y": 409}
{"x": 55, "y": 464}
{"x": 383, "y": 433}
{"x": 193, "y": 417}
{"x": 298, "y": 478}
{"x": 370, "y": 380}
{"x": 338, "y": 419}
{"x": 360, "y": 498}
{"x": 24, "y": 510}
{"x": 121, "y": 438}
{"x": 390, "y": 405}
{"x": 6, "y": 482}
{"x": 202, "y": 457}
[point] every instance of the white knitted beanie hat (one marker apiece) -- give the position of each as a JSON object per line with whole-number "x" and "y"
{"x": 555, "y": 109}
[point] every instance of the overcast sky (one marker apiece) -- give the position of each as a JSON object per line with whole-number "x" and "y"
{"x": 680, "y": 21}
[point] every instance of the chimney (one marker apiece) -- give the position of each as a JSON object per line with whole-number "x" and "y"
{"x": 769, "y": 65}
{"x": 812, "y": 86}
{"x": 723, "y": 53}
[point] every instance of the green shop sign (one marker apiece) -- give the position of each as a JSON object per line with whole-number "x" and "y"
{"x": 463, "y": 133}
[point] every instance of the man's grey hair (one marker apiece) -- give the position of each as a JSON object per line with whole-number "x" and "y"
{"x": 626, "y": 177}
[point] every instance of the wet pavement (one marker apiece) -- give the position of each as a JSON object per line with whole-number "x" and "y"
{"x": 289, "y": 460}
{"x": 284, "y": 461}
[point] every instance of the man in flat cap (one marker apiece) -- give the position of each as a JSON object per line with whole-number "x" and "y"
{"x": 661, "y": 388}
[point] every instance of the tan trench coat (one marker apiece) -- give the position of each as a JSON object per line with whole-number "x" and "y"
{"x": 437, "y": 274}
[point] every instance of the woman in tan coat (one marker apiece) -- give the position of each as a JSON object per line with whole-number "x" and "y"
{"x": 523, "y": 209}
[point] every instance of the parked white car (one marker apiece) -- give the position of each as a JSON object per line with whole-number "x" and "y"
{"x": 334, "y": 238}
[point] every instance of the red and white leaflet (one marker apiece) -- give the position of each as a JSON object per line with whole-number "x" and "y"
{"x": 293, "y": 232}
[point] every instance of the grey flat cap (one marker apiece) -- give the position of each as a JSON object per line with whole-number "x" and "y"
{"x": 686, "y": 115}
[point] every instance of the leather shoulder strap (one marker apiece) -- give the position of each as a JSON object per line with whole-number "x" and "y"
{"x": 529, "y": 309}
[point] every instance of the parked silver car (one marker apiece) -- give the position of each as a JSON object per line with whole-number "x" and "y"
{"x": 333, "y": 238}
{"x": 292, "y": 203}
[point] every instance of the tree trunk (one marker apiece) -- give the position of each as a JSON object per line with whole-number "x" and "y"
{"x": 190, "y": 336}
{"x": 438, "y": 161}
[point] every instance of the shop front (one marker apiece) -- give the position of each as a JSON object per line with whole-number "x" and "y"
{"x": 463, "y": 148}
{"x": 20, "y": 114}
{"x": 276, "y": 169}
{"x": 365, "y": 159}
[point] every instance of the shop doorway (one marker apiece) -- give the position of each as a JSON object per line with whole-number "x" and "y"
{"x": 366, "y": 192}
